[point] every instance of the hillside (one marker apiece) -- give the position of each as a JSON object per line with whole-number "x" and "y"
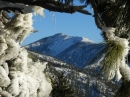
{"x": 86, "y": 82}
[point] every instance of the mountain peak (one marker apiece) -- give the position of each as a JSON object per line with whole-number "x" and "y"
{"x": 76, "y": 37}
{"x": 86, "y": 40}
{"x": 59, "y": 34}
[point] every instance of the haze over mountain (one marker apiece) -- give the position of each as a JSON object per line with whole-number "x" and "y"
{"x": 79, "y": 51}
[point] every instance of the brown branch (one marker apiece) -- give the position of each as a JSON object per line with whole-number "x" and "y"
{"x": 99, "y": 22}
{"x": 53, "y": 6}
{"x": 95, "y": 14}
{"x": 84, "y": 12}
{"x": 12, "y": 9}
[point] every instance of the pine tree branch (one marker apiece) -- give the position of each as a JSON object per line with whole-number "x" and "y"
{"x": 99, "y": 22}
{"x": 53, "y": 6}
{"x": 12, "y": 9}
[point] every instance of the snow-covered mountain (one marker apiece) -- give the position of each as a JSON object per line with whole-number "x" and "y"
{"x": 79, "y": 51}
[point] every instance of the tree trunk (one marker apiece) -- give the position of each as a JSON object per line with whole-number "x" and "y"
{"x": 124, "y": 90}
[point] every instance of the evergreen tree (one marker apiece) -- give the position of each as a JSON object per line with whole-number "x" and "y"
{"x": 87, "y": 94}
{"x": 61, "y": 87}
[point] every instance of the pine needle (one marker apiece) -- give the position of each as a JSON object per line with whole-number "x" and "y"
{"x": 112, "y": 56}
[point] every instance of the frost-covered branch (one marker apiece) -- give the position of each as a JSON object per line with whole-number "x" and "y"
{"x": 19, "y": 75}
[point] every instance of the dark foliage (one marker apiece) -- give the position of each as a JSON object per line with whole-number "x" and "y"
{"x": 61, "y": 87}
{"x": 124, "y": 90}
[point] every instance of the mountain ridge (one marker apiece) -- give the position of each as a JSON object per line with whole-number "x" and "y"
{"x": 70, "y": 49}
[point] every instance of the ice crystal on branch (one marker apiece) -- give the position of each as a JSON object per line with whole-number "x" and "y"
{"x": 19, "y": 75}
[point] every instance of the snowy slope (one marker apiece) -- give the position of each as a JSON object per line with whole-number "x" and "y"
{"x": 87, "y": 82}
{"x": 53, "y": 45}
{"x": 79, "y": 51}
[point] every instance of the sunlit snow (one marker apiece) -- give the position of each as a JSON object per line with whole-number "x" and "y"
{"x": 19, "y": 75}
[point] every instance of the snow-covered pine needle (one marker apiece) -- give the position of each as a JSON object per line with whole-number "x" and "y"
{"x": 113, "y": 54}
{"x": 19, "y": 75}
{"x": 109, "y": 31}
{"x": 125, "y": 72}
{"x": 38, "y": 10}
{"x": 118, "y": 75}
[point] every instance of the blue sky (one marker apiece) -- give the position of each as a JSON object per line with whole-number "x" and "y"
{"x": 76, "y": 24}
